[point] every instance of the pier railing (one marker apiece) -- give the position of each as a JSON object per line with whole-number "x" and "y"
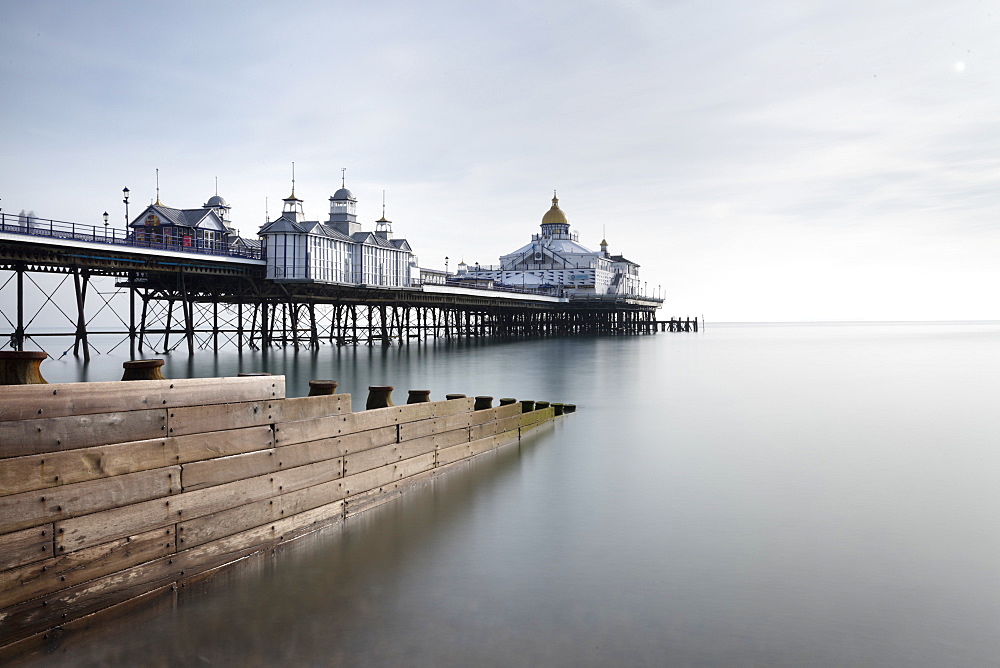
{"x": 59, "y": 229}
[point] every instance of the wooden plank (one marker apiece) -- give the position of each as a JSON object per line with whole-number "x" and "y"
{"x": 18, "y": 511}
{"x": 312, "y": 430}
{"x": 453, "y": 454}
{"x": 299, "y": 454}
{"x": 47, "y": 577}
{"x": 206, "y": 473}
{"x": 80, "y": 532}
{"x": 392, "y": 453}
{"x": 373, "y": 458}
{"x": 446, "y": 456}
{"x": 22, "y": 402}
{"x": 411, "y": 430}
{"x": 308, "y": 408}
{"x": 484, "y": 430}
{"x": 493, "y": 442}
{"x": 26, "y": 546}
{"x": 535, "y": 418}
{"x": 29, "y": 437}
{"x": 499, "y": 425}
{"x": 22, "y": 474}
{"x": 195, "y": 447}
{"x": 493, "y": 414}
{"x": 312, "y": 497}
{"x": 199, "y": 419}
{"x": 227, "y": 522}
{"x": 308, "y": 475}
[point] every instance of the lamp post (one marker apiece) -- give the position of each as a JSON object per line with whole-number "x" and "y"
{"x": 125, "y": 193}
{"x": 105, "y": 225}
{"x": 446, "y": 268}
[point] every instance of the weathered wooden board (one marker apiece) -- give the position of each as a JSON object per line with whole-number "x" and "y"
{"x": 493, "y": 442}
{"x": 453, "y": 454}
{"x": 308, "y": 475}
{"x": 390, "y": 454}
{"x": 373, "y": 458}
{"x": 22, "y": 474}
{"x": 26, "y": 546}
{"x": 533, "y": 418}
{"x": 483, "y": 430}
{"x": 496, "y": 427}
{"x": 359, "y": 503}
{"x": 446, "y": 456}
{"x": 362, "y": 482}
{"x": 18, "y": 511}
{"x": 206, "y": 473}
{"x": 312, "y": 497}
{"x": 227, "y": 522}
{"x": 80, "y": 532}
{"x": 198, "y": 419}
{"x": 46, "y": 577}
{"x": 411, "y": 430}
{"x": 22, "y": 402}
{"x": 308, "y": 452}
{"x": 311, "y": 430}
{"x": 308, "y": 408}
{"x": 207, "y": 445}
{"x": 30, "y": 437}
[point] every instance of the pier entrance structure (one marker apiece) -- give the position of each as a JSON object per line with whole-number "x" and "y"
{"x": 61, "y": 280}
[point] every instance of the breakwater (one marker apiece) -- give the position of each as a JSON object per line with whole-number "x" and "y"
{"x": 113, "y": 491}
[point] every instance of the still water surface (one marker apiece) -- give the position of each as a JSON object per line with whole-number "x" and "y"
{"x": 769, "y": 495}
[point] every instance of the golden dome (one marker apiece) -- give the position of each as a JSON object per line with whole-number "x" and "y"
{"x": 554, "y": 216}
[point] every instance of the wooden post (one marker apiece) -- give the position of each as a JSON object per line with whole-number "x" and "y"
{"x": 21, "y": 367}
{"x": 379, "y": 396}
{"x": 418, "y": 396}
{"x": 143, "y": 370}
{"x": 318, "y": 388}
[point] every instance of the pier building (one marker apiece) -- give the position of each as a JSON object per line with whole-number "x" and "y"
{"x": 337, "y": 251}
{"x": 555, "y": 259}
{"x": 205, "y": 228}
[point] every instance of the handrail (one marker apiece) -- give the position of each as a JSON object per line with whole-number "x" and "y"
{"x": 58, "y": 229}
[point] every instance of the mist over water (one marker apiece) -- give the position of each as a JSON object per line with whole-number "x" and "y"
{"x": 779, "y": 495}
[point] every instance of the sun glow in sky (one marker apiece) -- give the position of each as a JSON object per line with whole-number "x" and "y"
{"x": 761, "y": 161}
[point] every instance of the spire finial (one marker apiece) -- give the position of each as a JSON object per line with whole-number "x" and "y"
{"x": 267, "y": 216}
{"x": 216, "y": 185}
{"x": 383, "y": 204}
{"x": 555, "y": 200}
{"x": 343, "y": 177}
{"x": 158, "y": 203}
{"x": 293, "y": 180}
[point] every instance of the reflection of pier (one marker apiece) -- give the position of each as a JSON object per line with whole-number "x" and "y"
{"x": 160, "y": 298}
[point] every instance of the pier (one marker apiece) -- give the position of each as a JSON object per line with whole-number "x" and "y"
{"x": 161, "y": 297}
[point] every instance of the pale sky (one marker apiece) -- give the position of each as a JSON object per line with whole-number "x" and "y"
{"x": 761, "y": 160}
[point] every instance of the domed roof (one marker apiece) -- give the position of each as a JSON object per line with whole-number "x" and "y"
{"x": 216, "y": 200}
{"x": 554, "y": 215}
{"x": 343, "y": 193}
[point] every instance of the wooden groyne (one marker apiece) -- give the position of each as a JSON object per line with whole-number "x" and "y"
{"x": 113, "y": 491}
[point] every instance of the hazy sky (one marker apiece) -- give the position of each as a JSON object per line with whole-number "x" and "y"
{"x": 760, "y": 160}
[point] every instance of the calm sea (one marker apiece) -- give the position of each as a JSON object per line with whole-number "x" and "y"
{"x": 765, "y": 495}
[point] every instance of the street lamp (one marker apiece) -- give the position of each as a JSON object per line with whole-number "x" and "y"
{"x": 105, "y": 225}
{"x": 445, "y": 267}
{"x": 125, "y": 193}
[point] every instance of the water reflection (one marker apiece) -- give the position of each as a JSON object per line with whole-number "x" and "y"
{"x": 777, "y": 496}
